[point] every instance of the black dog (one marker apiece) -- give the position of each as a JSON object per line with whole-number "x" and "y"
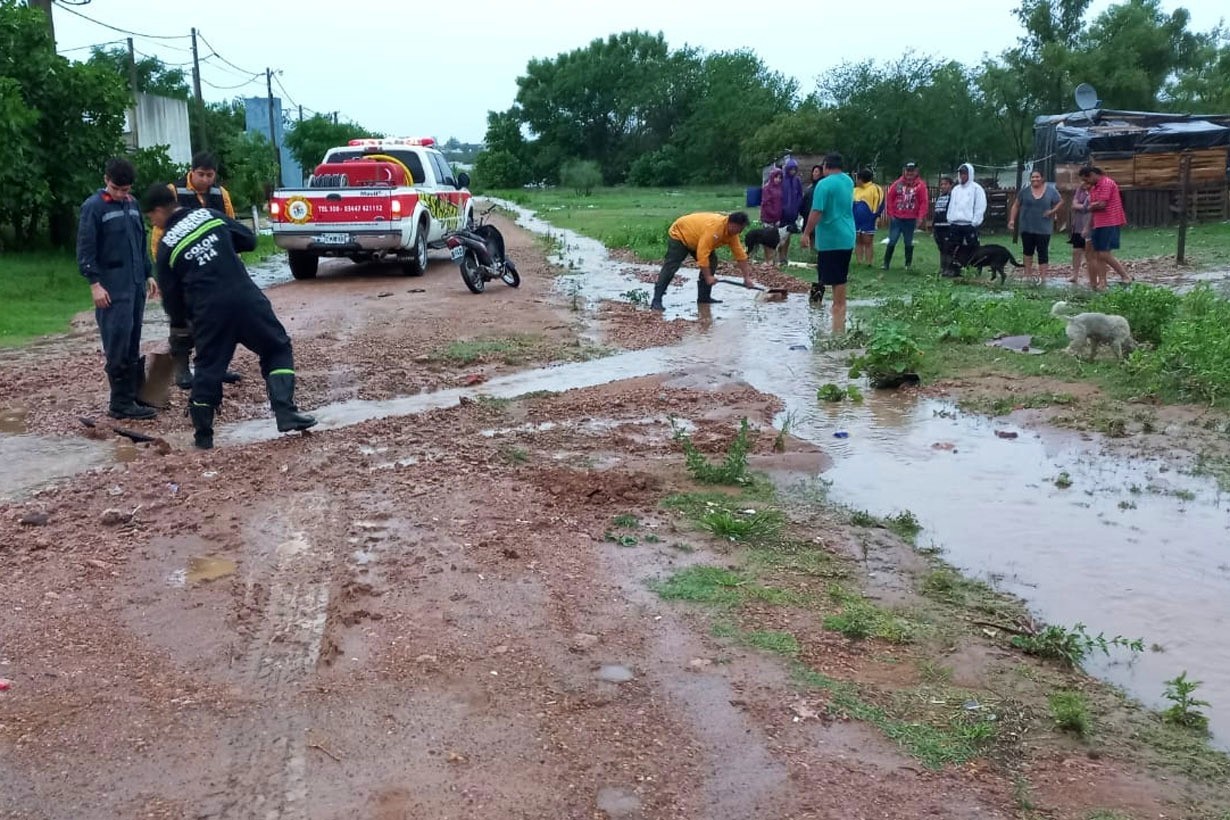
{"x": 768, "y": 238}
{"x": 994, "y": 257}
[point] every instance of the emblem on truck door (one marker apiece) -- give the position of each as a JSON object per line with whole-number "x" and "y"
{"x": 298, "y": 210}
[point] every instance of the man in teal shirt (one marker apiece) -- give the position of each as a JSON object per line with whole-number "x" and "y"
{"x": 832, "y": 219}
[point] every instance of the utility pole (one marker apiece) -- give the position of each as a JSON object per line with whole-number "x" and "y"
{"x": 45, "y": 5}
{"x": 301, "y": 113}
{"x": 273, "y": 135}
{"x": 335, "y": 118}
{"x": 1185, "y": 165}
{"x": 132, "y": 83}
{"x": 201, "y": 138}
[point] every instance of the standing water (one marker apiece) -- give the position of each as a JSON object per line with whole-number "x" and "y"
{"x": 1129, "y": 548}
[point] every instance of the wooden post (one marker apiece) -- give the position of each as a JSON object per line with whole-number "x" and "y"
{"x": 1185, "y": 164}
{"x": 273, "y": 134}
{"x": 202, "y": 137}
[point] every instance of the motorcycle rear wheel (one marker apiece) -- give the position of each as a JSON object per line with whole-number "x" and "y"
{"x": 510, "y": 275}
{"x": 471, "y": 273}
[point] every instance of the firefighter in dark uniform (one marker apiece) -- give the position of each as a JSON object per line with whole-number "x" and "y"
{"x": 111, "y": 256}
{"x": 196, "y": 189}
{"x": 204, "y": 279}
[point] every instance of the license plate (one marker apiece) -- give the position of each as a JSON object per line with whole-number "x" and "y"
{"x": 458, "y": 253}
{"x": 332, "y": 238}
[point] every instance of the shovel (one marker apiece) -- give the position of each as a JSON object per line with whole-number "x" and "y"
{"x": 780, "y": 293}
{"x": 156, "y": 389}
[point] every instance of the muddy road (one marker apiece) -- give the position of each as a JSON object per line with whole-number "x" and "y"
{"x": 463, "y": 596}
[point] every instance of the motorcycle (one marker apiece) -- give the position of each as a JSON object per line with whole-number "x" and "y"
{"x": 479, "y": 252}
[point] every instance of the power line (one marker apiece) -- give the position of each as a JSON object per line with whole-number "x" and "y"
{"x": 249, "y": 81}
{"x": 91, "y": 45}
{"x": 282, "y": 88}
{"x": 70, "y": 10}
{"x": 162, "y": 61}
{"x": 243, "y": 71}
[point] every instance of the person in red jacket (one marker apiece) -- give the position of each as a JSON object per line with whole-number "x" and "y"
{"x": 907, "y": 209}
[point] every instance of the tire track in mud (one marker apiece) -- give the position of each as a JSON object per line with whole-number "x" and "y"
{"x": 286, "y": 599}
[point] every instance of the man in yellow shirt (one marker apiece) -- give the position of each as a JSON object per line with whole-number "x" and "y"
{"x": 699, "y": 235}
{"x": 196, "y": 189}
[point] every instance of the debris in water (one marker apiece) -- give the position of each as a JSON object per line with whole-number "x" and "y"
{"x": 841, "y": 434}
{"x": 1006, "y": 434}
{"x": 798, "y": 347}
{"x": 614, "y": 673}
{"x": 383, "y": 294}
{"x": 5, "y": 684}
{"x": 944, "y": 445}
{"x": 475, "y": 378}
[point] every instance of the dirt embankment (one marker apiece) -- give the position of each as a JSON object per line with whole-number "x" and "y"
{"x": 487, "y": 611}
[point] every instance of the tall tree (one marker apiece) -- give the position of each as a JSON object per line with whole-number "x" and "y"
{"x": 1205, "y": 86}
{"x": 309, "y": 139}
{"x": 153, "y": 76}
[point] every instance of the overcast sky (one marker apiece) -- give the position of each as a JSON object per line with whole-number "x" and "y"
{"x": 435, "y": 69}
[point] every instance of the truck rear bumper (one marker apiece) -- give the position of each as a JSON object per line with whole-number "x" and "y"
{"x": 338, "y": 242}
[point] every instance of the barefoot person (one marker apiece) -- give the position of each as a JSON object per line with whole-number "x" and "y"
{"x": 699, "y": 236}
{"x": 204, "y": 280}
{"x": 1078, "y": 231}
{"x": 832, "y": 220}
{"x": 1108, "y": 218}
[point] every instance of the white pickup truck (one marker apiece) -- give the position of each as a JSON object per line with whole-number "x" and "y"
{"x": 374, "y": 199}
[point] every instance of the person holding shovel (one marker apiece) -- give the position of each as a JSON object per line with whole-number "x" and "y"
{"x": 699, "y": 235}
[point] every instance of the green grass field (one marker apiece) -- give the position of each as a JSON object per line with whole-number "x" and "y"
{"x": 40, "y": 291}
{"x": 638, "y": 218}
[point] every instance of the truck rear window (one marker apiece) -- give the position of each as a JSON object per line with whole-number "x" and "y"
{"x": 410, "y": 158}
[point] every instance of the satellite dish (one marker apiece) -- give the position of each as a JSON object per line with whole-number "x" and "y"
{"x": 1087, "y": 97}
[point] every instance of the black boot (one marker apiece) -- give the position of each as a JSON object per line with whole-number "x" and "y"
{"x": 909, "y": 257}
{"x": 123, "y": 404}
{"x": 888, "y": 256}
{"x": 231, "y": 377}
{"x": 281, "y": 386}
{"x": 202, "y": 416}
{"x": 181, "y": 349}
{"x": 704, "y": 293}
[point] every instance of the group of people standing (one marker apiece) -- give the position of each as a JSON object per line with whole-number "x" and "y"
{"x": 193, "y": 263}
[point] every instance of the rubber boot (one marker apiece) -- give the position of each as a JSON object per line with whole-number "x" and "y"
{"x": 281, "y": 386}
{"x": 909, "y": 257}
{"x": 231, "y": 377}
{"x": 123, "y": 404}
{"x": 202, "y": 416}
{"x": 181, "y": 348}
{"x": 704, "y": 293}
{"x": 136, "y": 371}
{"x": 659, "y": 290}
{"x": 888, "y": 256}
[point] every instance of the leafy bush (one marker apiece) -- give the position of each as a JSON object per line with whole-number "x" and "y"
{"x": 1071, "y": 646}
{"x": 891, "y": 353}
{"x": 1194, "y": 356}
{"x": 499, "y": 169}
{"x": 1147, "y": 309}
{"x": 732, "y": 470}
{"x": 1186, "y": 709}
{"x": 656, "y": 169}
{"x": 745, "y": 527}
{"x": 1070, "y": 712}
{"x": 581, "y": 175}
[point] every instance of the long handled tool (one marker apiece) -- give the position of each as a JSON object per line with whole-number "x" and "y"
{"x": 779, "y": 292}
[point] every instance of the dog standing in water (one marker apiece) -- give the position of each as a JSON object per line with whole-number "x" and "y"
{"x": 1092, "y": 330}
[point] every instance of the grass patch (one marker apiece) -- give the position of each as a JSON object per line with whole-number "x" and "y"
{"x": 744, "y": 527}
{"x": 905, "y": 524}
{"x": 860, "y": 619}
{"x": 627, "y": 521}
{"x": 731, "y": 471}
{"x": 958, "y": 740}
{"x": 1003, "y": 405}
{"x": 799, "y": 558}
{"x": 468, "y": 351}
{"x": 40, "y": 292}
{"x": 717, "y": 586}
{"x": 1070, "y": 711}
{"x": 950, "y": 587}
{"x": 771, "y": 640}
{"x": 515, "y": 455}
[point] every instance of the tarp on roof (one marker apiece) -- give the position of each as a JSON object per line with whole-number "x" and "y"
{"x": 1187, "y": 135}
{"x": 1073, "y": 137}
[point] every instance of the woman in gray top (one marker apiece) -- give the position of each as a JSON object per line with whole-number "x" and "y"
{"x": 1036, "y": 204}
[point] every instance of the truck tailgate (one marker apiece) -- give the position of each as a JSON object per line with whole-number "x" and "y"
{"x": 323, "y": 206}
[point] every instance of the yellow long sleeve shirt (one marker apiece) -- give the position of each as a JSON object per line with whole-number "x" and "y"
{"x": 702, "y": 232}
{"x": 156, "y": 233}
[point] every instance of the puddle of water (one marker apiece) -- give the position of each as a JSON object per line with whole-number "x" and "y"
{"x": 614, "y": 673}
{"x": 31, "y": 462}
{"x": 13, "y": 420}
{"x": 1141, "y": 564}
{"x": 201, "y": 570}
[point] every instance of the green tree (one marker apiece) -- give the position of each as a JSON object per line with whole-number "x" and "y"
{"x": 66, "y": 119}
{"x": 581, "y": 175}
{"x": 153, "y": 76}
{"x": 1204, "y": 87}
{"x": 499, "y": 169}
{"x": 308, "y": 140}
{"x": 251, "y": 172}
{"x": 154, "y": 165}
{"x": 808, "y": 129}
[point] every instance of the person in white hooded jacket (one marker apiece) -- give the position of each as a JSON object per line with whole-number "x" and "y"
{"x": 967, "y": 207}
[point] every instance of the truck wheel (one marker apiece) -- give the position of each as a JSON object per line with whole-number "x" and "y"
{"x": 416, "y": 265}
{"x": 303, "y": 264}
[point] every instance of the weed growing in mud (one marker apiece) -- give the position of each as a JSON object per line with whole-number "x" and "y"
{"x": 515, "y": 455}
{"x": 627, "y": 521}
{"x": 949, "y": 586}
{"x": 891, "y": 354}
{"x": 905, "y": 524}
{"x": 623, "y": 540}
{"x": 637, "y": 298}
{"x": 1185, "y": 709}
{"x": 1072, "y": 645}
{"x": 961, "y": 739}
{"x": 862, "y": 518}
{"x": 1147, "y": 309}
{"x": 733, "y": 469}
{"x": 860, "y": 619}
{"x": 1070, "y": 711}
{"x": 797, "y": 557}
{"x": 931, "y": 672}
{"x": 745, "y": 527}
{"x": 717, "y": 586}
{"x": 1003, "y": 405}
{"x": 782, "y": 643}
{"x": 1063, "y": 481}
{"x": 1217, "y": 467}
{"x": 832, "y": 393}
{"x": 469, "y": 351}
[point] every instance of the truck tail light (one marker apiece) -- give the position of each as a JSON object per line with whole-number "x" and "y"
{"x": 395, "y": 206}
{"x": 275, "y": 210}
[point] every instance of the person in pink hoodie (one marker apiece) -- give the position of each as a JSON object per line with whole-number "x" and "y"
{"x": 907, "y": 209}
{"x": 771, "y": 196}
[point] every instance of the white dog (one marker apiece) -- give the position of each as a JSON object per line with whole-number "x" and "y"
{"x": 1092, "y": 330}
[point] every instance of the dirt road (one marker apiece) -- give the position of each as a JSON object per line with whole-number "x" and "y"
{"x": 473, "y": 611}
